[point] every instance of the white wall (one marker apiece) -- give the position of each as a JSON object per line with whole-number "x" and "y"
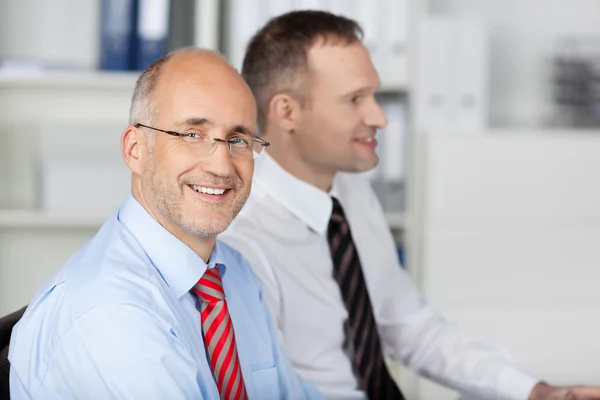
{"x": 523, "y": 38}
{"x": 509, "y": 237}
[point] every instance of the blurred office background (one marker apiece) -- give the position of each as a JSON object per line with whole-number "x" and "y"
{"x": 489, "y": 166}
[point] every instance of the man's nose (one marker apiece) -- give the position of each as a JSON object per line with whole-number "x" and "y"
{"x": 218, "y": 161}
{"x": 375, "y": 116}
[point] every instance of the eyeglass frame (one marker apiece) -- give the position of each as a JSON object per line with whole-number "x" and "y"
{"x": 227, "y": 142}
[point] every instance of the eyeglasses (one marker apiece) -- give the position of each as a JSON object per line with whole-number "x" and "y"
{"x": 240, "y": 145}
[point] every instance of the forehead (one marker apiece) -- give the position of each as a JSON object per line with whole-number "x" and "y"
{"x": 341, "y": 65}
{"x": 214, "y": 92}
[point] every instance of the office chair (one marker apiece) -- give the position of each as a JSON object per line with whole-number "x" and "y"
{"x": 6, "y": 324}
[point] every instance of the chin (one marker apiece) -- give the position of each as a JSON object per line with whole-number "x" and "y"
{"x": 206, "y": 227}
{"x": 362, "y": 165}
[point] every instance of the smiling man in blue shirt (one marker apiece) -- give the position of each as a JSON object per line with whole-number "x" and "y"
{"x": 154, "y": 307}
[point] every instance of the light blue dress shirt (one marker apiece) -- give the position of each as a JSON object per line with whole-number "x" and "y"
{"x": 118, "y": 321}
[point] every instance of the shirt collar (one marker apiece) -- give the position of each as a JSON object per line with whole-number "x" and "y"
{"x": 310, "y": 204}
{"x": 179, "y": 265}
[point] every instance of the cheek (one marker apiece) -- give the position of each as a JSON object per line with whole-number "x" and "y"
{"x": 336, "y": 124}
{"x": 245, "y": 171}
{"x": 174, "y": 165}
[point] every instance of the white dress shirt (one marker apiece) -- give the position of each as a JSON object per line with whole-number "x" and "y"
{"x": 282, "y": 231}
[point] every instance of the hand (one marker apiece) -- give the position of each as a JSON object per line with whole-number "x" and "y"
{"x": 542, "y": 391}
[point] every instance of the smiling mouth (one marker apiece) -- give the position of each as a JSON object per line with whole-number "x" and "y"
{"x": 209, "y": 190}
{"x": 369, "y": 139}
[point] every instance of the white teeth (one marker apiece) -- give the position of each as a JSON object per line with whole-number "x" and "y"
{"x": 368, "y": 139}
{"x": 207, "y": 190}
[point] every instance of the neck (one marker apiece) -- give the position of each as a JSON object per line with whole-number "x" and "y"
{"x": 289, "y": 159}
{"x": 201, "y": 246}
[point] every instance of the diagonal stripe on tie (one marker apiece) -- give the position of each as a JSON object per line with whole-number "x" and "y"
{"x": 224, "y": 374}
{"x": 229, "y": 376}
{"x": 209, "y": 330}
{"x": 219, "y": 336}
{"x": 219, "y": 343}
{"x": 367, "y": 357}
{"x": 220, "y": 353}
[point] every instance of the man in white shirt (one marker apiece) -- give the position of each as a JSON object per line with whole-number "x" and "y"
{"x": 317, "y": 237}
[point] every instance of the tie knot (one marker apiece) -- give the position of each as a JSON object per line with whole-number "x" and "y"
{"x": 210, "y": 287}
{"x": 337, "y": 214}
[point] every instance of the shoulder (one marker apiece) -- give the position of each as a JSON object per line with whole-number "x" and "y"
{"x": 109, "y": 269}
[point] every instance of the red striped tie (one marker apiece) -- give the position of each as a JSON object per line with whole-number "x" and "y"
{"x": 219, "y": 338}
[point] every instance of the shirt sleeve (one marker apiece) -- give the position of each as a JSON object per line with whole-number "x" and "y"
{"x": 120, "y": 351}
{"x": 416, "y": 335}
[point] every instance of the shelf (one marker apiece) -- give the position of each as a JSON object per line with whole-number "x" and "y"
{"x": 42, "y": 219}
{"x": 107, "y": 80}
{"x": 78, "y": 80}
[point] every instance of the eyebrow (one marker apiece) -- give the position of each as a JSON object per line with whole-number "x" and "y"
{"x": 362, "y": 90}
{"x": 201, "y": 121}
{"x": 191, "y": 121}
{"x": 244, "y": 130}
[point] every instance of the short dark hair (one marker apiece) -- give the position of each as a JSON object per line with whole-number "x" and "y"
{"x": 276, "y": 56}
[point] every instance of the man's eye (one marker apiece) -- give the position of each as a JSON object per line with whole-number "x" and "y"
{"x": 192, "y": 137}
{"x": 239, "y": 142}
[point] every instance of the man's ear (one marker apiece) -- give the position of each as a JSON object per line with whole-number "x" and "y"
{"x": 133, "y": 144}
{"x": 284, "y": 111}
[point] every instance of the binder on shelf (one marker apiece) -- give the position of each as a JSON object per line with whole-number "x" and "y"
{"x": 117, "y": 28}
{"x": 471, "y": 88}
{"x": 452, "y": 79}
{"x": 394, "y": 68}
{"x": 182, "y": 24}
{"x": 434, "y": 80}
{"x": 152, "y": 31}
{"x": 400, "y": 252}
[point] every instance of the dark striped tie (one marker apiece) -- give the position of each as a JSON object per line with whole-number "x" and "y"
{"x": 219, "y": 338}
{"x": 366, "y": 354}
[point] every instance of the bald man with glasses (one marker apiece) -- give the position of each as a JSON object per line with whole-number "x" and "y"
{"x": 154, "y": 306}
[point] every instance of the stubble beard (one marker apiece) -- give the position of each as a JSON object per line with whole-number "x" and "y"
{"x": 170, "y": 204}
